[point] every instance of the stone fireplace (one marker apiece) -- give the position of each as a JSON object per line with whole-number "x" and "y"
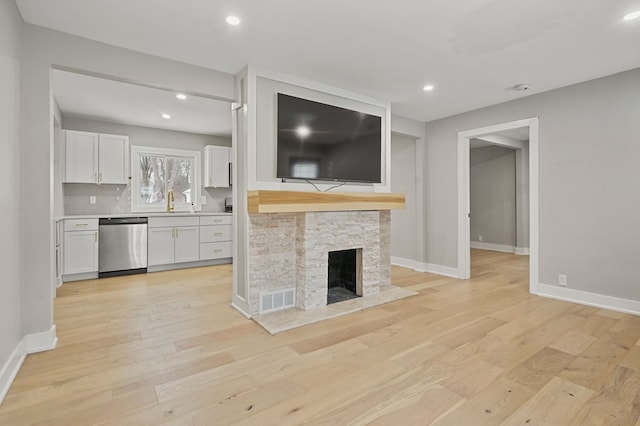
{"x": 291, "y": 235}
{"x": 291, "y": 250}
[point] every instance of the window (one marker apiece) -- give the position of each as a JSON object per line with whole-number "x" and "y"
{"x": 155, "y": 171}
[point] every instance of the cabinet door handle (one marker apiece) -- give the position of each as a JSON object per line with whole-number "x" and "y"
{"x": 173, "y": 232}
{"x": 95, "y": 176}
{"x": 99, "y": 177}
{"x": 176, "y": 232}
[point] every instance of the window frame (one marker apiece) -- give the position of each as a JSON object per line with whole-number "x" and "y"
{"x": 137, "y": 151}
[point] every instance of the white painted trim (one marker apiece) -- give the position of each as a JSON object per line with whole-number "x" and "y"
{"x": 43, "y": 341}
{"x": 590, "y": 299}
{"x": 431, "y": 268}
{"x": 464, "y": 243}
{"x": 522, "y": 251}
{"x": 31, "y": 343}
{"x": 239, "y": 309}
{"x": 493, "y": 247}
{"x": 447, "y": 271}
{"x": 11, "y": 367}
{"x": 405, "y": 263}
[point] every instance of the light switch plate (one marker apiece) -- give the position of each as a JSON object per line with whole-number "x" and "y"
{"x": 92, "y": 199}
{"x": 203, "y": 200}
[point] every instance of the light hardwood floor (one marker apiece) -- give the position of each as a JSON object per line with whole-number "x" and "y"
{"x": 167, "y": 348}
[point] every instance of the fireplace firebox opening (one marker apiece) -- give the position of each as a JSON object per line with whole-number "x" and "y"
{"x": 345, "y": 275}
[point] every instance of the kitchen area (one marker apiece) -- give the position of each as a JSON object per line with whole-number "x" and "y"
{"x": 142, "y": 179}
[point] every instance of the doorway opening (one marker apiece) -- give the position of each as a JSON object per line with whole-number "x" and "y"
{"x": 526, "y": 205}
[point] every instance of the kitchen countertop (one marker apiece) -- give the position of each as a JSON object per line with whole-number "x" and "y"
{"x": 149, "y": 214}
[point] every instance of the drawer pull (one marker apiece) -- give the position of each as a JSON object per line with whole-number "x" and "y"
{"x": 218, "y": 251}
{"x": 82, "y": 224}
{"x": 218, "y": 233}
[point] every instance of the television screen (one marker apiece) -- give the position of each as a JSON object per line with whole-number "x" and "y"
{"x": 325, "y": 142}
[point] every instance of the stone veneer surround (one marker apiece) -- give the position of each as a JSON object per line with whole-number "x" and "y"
{"x": 288, "y": 250}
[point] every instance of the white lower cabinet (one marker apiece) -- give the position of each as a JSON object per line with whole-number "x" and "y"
{"x": 187, "y": 244}
{"x": 80, "y": 246}
{"x": 160, "y": 246}
{"x": 173, "y": 240}
{"x": 216, "y": 234}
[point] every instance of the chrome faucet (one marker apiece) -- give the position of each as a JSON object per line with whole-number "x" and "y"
{"x": 170, "y": 200}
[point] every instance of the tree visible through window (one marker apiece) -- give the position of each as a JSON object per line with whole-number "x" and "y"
{"x": 157, "y": 173}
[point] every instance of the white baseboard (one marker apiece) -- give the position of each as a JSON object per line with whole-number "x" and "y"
{"x": 43, "y": 341}
{"x": 405, "y": 263}
{"x": 522, "y": 251}
{"x": 493, "y": 247}
{"x": 590, "y": 299}
{"x": 11, "y": 367}
{"x": 447, "y": 271}
{"x": 237, "y": 308}
{"x": 31, "y": 343}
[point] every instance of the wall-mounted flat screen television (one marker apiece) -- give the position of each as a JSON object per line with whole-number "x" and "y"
{"x": 324, "y": 142}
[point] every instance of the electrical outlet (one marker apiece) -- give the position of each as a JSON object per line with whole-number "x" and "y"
{"x": 480, "y": 237}
{"x": 203, "y": 200}
{"x": 562, "y": 279}
{"x": 92, "y": 199}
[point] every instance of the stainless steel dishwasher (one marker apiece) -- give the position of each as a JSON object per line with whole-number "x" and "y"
{"x": 122, "y": 246}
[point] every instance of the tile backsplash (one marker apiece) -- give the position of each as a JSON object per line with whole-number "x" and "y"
{"x": 114, "y": 199}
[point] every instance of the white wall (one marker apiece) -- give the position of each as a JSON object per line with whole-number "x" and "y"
{"x": 11, "y": 324}
{"x": 43, "y": 49}
{"x": 588, "y": 184}
{"x": 115, "y": 198}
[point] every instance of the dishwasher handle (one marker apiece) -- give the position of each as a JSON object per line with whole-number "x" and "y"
{"x": 123, "y": 221}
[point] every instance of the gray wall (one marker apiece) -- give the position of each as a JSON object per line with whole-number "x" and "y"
{"x": 492, "y": 179}
{"x": 116, "y": 198}
{"x": 403, "y": 180}
{"x": 522, "y": 197}
{"x": 43, "y": 49}
{"x": 589, "y": 174}
{"x": 11, "y": 324}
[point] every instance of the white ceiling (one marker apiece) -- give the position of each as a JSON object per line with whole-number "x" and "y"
{"x": 90, "y": 97}
{"x": 474, "y": 51}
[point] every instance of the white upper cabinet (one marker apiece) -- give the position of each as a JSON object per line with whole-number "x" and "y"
{"x": 113, "y": 159}
{"x": 217, "y": 170}
{"x": 95, "y": 158}
{"x": 80, "y": 157}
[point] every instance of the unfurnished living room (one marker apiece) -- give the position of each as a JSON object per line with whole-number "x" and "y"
{"x": 323, "y": 213}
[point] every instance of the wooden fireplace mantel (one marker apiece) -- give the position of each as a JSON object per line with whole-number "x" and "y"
{"x": 264, "y": 201}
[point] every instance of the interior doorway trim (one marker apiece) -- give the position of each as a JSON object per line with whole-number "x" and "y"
{"x": 464, "y": 222}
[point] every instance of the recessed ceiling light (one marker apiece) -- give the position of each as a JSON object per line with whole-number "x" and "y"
{"x": 631, "y": 16}
{"x": 181, "y": 96}
{"x": 166, "y": 116}
{"x": 233, "y": 20}
{"x": 428, "y": 87}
